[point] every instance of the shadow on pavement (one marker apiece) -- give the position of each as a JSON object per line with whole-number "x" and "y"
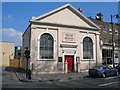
{"x": 15, "y": 69}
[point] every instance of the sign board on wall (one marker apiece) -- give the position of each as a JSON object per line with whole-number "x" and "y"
{"x": 68, "y": 37}
{"x": 78, "y": 58}
{"x": 59, "y": 59}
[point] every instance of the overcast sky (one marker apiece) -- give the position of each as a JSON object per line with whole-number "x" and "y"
{"x": 16, "y": 15}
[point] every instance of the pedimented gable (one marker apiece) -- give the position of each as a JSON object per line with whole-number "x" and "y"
{"x": 66, "y": 15}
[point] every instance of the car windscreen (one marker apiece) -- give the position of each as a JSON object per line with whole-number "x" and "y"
{"x": 96, "y": 67}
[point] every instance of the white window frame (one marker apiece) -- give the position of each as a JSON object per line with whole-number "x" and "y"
{"x": 94, "y": 49}
{"x": 39, "y": 46}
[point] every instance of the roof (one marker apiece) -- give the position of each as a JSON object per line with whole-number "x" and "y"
{"x": 92, "y": 19}
{"x": 35, "y": 19}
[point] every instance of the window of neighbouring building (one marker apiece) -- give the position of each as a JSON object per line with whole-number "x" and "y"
{"x": 104, "y": 29}
{"x": 46, "y": 46}
{"x": 116, "y": 32}
{"x": 110, "y": 31}
{"x": 87, "y": 48}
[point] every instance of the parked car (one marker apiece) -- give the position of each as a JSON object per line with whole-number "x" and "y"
{"x": 103, "y": 71}
{"x": 118, "y": 67}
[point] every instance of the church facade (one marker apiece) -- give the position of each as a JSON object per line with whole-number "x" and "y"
{"x": 62, "y": 36}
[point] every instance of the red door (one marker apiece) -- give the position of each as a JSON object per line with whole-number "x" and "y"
{"x": 70, "y": 60}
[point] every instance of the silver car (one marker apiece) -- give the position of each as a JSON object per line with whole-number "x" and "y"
{"x": 103, "y": 71}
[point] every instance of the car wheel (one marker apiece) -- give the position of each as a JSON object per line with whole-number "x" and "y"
{"x": 103, "y": 75}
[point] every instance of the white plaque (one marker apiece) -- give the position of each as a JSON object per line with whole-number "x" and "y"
{"x": 68, "y": 37}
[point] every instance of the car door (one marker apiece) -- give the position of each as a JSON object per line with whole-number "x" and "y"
{"x": 106, "y": 70}
{"x": 110, "y": 70}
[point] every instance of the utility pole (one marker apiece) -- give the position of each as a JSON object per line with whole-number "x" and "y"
{"x": 113, "y": 41}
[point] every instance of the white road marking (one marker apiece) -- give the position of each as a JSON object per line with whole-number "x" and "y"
{"x": 108, "y": 83}
{"x": 112, "y": 77}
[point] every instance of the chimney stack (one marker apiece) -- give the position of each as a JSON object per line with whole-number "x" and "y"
{"x": 99, "y": 16}
{"x": 80, "y": 10}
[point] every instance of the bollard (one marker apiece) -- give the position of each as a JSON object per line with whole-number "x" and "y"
{"x": 78, "y": 67}
{"x": 66, "y": 67}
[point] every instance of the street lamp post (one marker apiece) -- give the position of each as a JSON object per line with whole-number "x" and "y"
{"x": 113, "y": 47}
{"x": 113, "y": 41}
{"x": 27, "y": 56}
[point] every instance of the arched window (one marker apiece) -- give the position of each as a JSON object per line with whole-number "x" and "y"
{"x": 87, "y": 48}
{"x": 46, "y": 46}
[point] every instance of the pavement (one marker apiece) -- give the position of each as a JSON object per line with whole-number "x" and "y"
{"x": 49, "y": 77}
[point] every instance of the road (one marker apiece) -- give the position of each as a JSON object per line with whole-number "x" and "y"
{"x": 10, "y": 81}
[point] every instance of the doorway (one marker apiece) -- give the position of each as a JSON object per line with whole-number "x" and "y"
{"x": 70, "y": 61}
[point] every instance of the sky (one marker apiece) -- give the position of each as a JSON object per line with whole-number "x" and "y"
{"x": 16, "y": 15}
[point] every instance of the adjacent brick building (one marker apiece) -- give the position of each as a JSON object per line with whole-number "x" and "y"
{"x": 6, "y": 53}
{"x": 106, "y": 37}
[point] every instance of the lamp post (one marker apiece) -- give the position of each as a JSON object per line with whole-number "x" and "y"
{"x": 113, "y": 41}
{"x": 27, "y": 56}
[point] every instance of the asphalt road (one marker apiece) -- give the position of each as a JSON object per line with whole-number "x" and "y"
{"x": 10, "y": 81}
